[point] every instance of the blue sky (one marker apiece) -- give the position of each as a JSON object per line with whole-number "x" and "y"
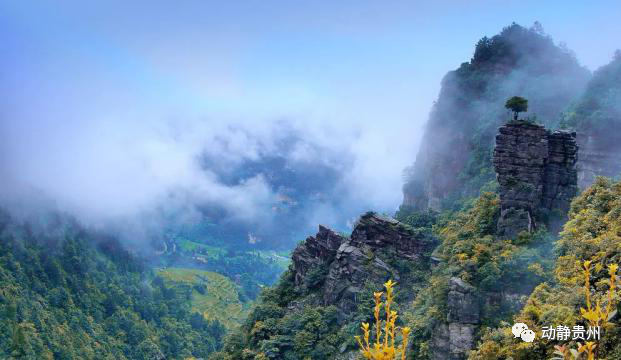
{"x": 90, "y": 89}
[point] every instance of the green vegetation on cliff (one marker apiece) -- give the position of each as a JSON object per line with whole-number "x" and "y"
{"x": 592, "y": 233}
{"x": 273, "y": 332}
{"x": 317, "y": 307}
{"x": 600, "y": 105}
{"x": 471, "y": 252}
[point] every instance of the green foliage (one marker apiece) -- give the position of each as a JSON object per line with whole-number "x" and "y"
{"x": 66, "y": 293}
{"x": 599, "y": 108}
{"x": 273, "y": 332}
{"x": 517, "y": 104}
{"x": 214, "y": 296}
{"x": 316, "y": 277}
{"x": 592, "y": 233}
{"x": 471, "y": 251}
{"x": 417, "y": 219}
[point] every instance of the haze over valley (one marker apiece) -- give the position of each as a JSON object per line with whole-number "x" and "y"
{"x": 237, "y": 181}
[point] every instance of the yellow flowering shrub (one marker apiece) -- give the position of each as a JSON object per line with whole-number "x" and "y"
{"x": 384, "y": 346}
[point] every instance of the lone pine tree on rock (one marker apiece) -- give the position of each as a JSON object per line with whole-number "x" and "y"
{"x": 517, "y": 104}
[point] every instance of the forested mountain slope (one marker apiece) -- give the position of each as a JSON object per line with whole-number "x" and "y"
{"x": 315, "y": 310}
{"x": 70, "y": 293}
{"x": 593, "y": 115}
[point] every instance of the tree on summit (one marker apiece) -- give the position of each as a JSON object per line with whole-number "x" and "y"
{"x": 517, "y": 104}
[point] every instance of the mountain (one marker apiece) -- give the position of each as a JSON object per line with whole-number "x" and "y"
{"x": 459, "y": 274}
{"x": 500, "y": 224}
{"x": 476, "y": 243}
{"x": 454, "y": 159}
{"x": 456, "y": 274}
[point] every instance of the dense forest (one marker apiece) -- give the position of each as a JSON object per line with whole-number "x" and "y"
{"x": 69, "y": 293}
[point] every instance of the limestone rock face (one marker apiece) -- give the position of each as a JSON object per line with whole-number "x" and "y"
{"x": 350, "y": 263}
{"x": 360, "y": 259}
{"x": 561, "y": 178}
{"x": 536, "y": 170}
{"x": 452, "y": 340}
{"x": 462, "y": 302}
{"x": 443, "y": 153}
{"x": 375, "y": 232}
{"x": 317, "y": 251}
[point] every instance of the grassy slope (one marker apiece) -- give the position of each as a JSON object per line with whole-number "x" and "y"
{"x": 220, "y": 299}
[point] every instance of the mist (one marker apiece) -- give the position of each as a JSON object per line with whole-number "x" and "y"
{"x": 136, "y": 122}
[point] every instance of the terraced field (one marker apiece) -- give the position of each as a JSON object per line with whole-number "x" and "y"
{"x": 213, "y": 295}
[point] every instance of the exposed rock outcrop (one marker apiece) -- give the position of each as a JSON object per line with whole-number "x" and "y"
{"x": 367, "y": 256}
{"x": 536, "y": 170}
{"x": 315, "y": 253}
{"x": 452, "y": 340}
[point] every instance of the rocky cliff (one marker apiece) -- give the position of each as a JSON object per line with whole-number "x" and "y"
{"x": 340, "y": 267}
{"x": 454, "y": 159}
{"x": 537, "y": 176}
{"x": 536, "y": 170}
{"x": 317, "y": 306}
{"x": 453, "y": 339}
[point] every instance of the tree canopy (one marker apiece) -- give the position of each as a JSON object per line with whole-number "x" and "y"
{"x": 517, "y": 104}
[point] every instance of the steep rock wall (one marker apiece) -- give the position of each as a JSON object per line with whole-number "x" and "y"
{"x": 536, "y": 170}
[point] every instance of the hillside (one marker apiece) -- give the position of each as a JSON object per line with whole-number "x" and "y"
{"x": 250, "y": 269}
{"x": 592, "y": 115}
{"x": 70, "y": 293}
{"x": 213, "y": 295}
{"x": 592, "y": 233}
{"x": 316, "y": 308}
